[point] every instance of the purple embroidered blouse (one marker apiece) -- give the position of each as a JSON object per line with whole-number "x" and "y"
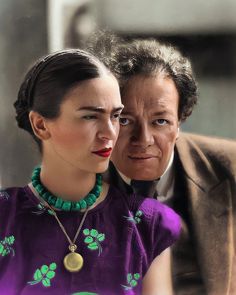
{"x": 118, "y": 241}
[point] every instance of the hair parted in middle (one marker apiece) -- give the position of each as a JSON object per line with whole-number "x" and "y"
{"x": 48, "y": 81}
{"x": 147, "y": 57}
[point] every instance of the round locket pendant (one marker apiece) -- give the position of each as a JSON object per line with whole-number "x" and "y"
{"x": 73, "y": 262}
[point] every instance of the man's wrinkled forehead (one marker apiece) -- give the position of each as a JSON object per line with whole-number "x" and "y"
{"x": 149, "y": 93}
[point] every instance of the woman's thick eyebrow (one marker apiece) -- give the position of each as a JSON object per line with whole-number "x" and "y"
{"x": 99, "y": 109}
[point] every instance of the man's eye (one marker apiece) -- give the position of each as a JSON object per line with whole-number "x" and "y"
{"x": 160, "y": 122}
{"x": 89, "y": 117}
{"x": 124, "y": 121}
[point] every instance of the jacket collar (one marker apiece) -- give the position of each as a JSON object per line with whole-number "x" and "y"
{"x": 210, "y": 208}
{"x": 193, "y": 160}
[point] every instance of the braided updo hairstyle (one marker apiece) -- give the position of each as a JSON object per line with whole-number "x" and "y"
{"x": 47, "y": 82}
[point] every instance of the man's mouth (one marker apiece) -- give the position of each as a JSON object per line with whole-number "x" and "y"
{"x": 105, "y": 153}
{"x": 141, "y": 157}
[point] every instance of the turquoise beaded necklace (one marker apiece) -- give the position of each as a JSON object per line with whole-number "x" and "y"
{"x": 58, "y": 202}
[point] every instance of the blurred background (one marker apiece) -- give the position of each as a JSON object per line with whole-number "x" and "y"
{"x": 205, "y": 31}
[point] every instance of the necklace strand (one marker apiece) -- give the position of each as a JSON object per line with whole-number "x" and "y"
{"x": 58, "y": 202}
{"x": 72, "y": 243}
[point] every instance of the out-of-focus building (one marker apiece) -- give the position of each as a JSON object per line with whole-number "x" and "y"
{"x": 204, "y": 30}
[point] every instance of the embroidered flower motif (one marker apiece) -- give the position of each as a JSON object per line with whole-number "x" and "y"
{"x": 5, "y": 246}
{"x": 131, "y": 281}
{"x": 93, "y": 239}
{"x": 42, "y": 209}
{"x": 44, "y": 275}
{"x": 4, "y": 195}
{"x": 135, "y": 218}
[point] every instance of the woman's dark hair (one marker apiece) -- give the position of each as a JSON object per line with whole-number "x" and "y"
{"x": 147, "y": 57}
{"x": 48, "y": 81}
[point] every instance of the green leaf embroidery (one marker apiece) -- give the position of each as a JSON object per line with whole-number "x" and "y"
{"x": 84, "y": 293}
{"x": 37, "y": 275}
{"x": 44, "y": 274}
{"x": 93, "y": 246}
{"x": 44, "y": 269}
{"x": 94, "y": 233}
{"x": 5, "y": 246}
{"x": 88, "y": 240}
{"x": 93, "y": 239}
{"x": 137, "y": 276}
{"x": 129, "y": 277}
{"x": 50, "y": 274}
{"x": 40, "y": 209}
{"x": 86, "y": 232}
{"x": 46, "y": 282}
{"x": 139, "y": 213}
{"x": 131, "y": 281}
{"x": 52, "y": 266}
{"x": 135, "y": 218}
{"x": 101, "y": 237}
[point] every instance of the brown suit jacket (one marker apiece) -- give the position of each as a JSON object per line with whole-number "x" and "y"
{"x": 210, "y": 171}
{"x": 209, "y": 167}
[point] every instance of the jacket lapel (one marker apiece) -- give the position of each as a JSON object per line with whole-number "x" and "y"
{"x": 210, "y": 209}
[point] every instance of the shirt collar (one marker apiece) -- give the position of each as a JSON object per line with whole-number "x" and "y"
{"x": 164, "y": 181}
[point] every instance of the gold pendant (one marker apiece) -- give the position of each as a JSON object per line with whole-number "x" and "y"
{"x": 73, "y": 261}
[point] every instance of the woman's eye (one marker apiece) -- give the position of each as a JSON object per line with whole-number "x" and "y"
{"x": 124, "y": 121}
{"x": 160, "y": 122}
{"x": 116, "y": 116}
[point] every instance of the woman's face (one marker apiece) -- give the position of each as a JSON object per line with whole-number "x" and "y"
{"x": 86, "y": 130}
{"x": 149, "y": 127}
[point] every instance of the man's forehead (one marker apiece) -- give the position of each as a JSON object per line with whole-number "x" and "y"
{"x": 147, "y": 104}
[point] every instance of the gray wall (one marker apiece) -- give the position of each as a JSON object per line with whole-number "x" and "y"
{"x": 23, "y": 37}
{"x": 215, "y": 113}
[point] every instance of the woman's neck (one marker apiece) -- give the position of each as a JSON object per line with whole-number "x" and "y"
{"x": 70, "y": 184}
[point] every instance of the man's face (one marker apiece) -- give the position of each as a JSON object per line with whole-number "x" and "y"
{"x": 149, "y": 127}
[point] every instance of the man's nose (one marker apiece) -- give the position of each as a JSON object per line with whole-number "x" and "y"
{"x": 142, "y": 135}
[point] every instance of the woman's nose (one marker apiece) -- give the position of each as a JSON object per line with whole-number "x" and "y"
{"x": 109, "y": 130}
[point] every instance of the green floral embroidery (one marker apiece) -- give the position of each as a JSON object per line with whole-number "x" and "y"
{"x": 84, "y": 293}
{"x": 136, "y": 218}
{"x": 42, "y": 209}
{"x": 44, "y": 275}
{"x": 131, "y": 281}
{"x": 93, "y": 239}
{"x": 5, "y": 246}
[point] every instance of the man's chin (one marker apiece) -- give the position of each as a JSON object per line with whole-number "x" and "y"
{"x": 141, "y": 175}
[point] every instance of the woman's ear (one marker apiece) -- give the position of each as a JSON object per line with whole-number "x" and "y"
{"x": 38, "y": 125}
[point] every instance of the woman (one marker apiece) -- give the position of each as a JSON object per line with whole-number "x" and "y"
{"x": 68, "y": 232}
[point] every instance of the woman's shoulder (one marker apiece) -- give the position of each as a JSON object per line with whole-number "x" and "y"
{"x": 11, "y": 192}
{"x": 160, "y": 223}
{"x": 164, "y": 224}
{"x": 11, "y": 197}
{"x": 153, "y": 212}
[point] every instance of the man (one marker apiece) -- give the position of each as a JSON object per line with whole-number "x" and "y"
{"x": 193, "y": 174}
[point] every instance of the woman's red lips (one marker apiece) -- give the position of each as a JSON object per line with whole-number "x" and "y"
{"x": 105, "y": 153}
